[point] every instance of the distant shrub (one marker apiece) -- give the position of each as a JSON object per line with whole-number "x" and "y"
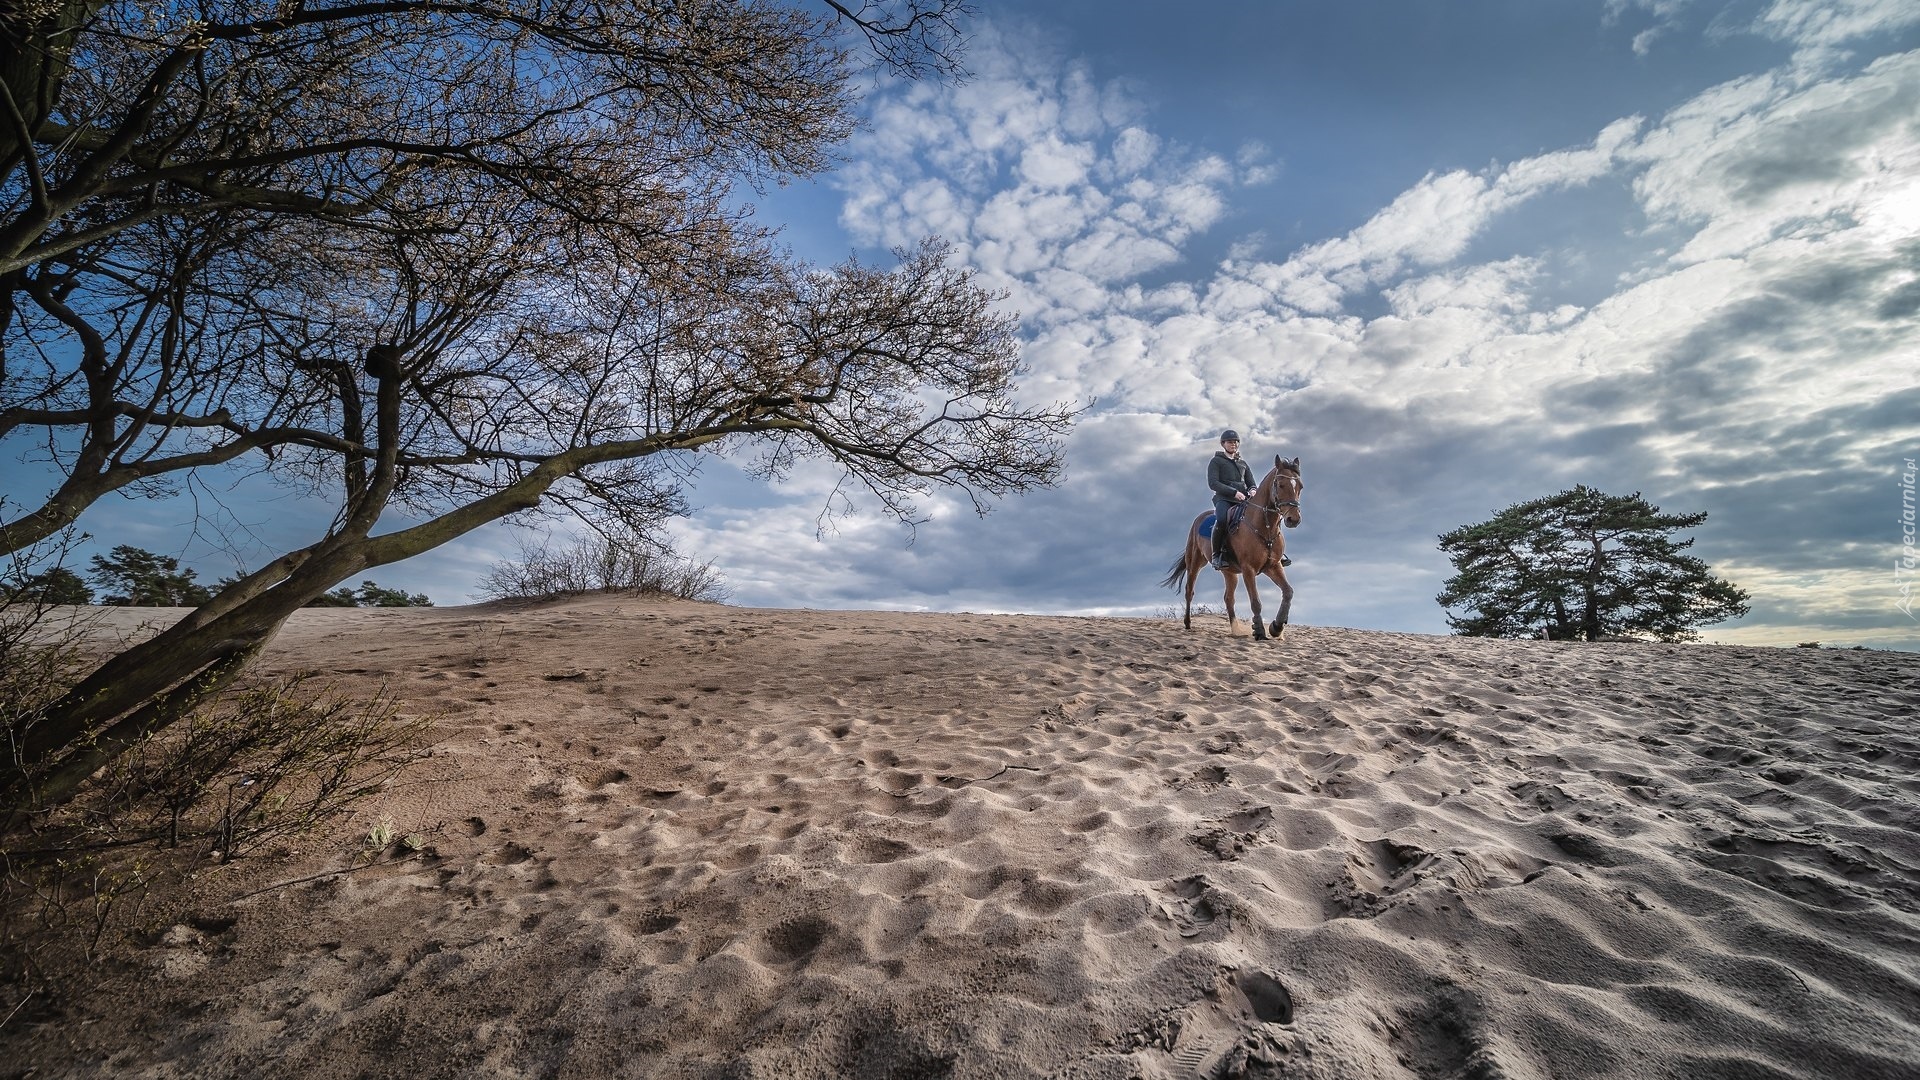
{"x": 1175, "y": 611}
{"x": 613, "y": 563}
{"x": 56, "y": 586}
{"x": 1808, "y": 645}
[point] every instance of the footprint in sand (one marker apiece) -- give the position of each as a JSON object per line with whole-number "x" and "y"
{"x": 1238, "y": 1026}
{"x": 1194, "y": 906}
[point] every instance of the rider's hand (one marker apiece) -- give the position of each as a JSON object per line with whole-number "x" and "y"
{"x": 1239, "y": 496}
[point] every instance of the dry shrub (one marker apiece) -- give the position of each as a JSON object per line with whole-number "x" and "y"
{"x": 618, "y": 562}
{"x": 257, "y": 765}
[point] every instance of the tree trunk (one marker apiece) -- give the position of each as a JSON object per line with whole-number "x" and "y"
{"x": 35, "y": 41}
{"x": 1590, "y": 618}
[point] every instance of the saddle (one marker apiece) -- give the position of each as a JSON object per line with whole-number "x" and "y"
{"x": 1233, "y": 520}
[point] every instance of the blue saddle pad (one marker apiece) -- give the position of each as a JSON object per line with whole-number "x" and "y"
{"x": 1206, "y": 524}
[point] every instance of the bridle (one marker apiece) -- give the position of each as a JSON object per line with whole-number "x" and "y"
{"x": 1276, "y": 507}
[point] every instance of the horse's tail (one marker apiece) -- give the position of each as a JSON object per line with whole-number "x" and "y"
{"x": 1174, "y": 575}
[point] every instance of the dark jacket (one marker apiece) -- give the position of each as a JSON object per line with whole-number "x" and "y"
{"x": 1227, "y": 475}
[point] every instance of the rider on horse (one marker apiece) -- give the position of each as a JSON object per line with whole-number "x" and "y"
{"x": 1232, "y": 481}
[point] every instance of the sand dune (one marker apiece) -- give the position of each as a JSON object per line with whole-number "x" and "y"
{"x": 681, "y": 840}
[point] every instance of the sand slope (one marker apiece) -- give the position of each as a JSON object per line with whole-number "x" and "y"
{"x": 680, "y": 840}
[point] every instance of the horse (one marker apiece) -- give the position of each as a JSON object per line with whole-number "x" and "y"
{"x": 1257, "y": 545}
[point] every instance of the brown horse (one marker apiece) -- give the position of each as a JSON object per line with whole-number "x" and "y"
{"x": 1257, "y": 545}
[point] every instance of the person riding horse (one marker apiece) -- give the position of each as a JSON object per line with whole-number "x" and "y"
{"x": 1232, "y": 481}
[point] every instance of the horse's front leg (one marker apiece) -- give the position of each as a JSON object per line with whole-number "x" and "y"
{"x": 1253, "y": 601}
{"x": 1279, "y": 577}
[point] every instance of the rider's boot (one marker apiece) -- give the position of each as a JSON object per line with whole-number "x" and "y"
{"x": 1221, "y": 560}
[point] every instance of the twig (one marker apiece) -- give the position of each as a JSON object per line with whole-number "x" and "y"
{"x": 964, "y": 781}
{"x": 316, "y": 877}
{"x": 17, "y": 1008}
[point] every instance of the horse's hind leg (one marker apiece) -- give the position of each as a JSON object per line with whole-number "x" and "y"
{"x": 1193, "y": 575}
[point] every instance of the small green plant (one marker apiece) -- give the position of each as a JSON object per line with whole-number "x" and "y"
{"x": 380, "y": 837}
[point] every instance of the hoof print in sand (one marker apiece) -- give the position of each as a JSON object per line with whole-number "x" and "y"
{"x": 1207, "y": 778}
{"x": 1231, "y": 836}
{"x": 795, "y": 940}
{"x": 1384, "y": 873}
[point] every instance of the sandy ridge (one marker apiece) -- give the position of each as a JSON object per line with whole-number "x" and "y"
{"x": 686, "y": 840}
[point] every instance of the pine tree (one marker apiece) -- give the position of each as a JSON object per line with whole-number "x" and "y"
{"x": 135, "y": 577}
{"x": 56, "y": 586}
{"x": 1583, "y": 564}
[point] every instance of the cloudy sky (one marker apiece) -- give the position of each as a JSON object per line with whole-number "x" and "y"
{"x": 1452, "y": 256}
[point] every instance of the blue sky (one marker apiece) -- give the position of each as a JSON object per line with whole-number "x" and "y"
{"x": 1453, "y": 256}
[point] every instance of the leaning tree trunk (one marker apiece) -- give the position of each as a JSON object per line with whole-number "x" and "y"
{"x": 143, "y": 689}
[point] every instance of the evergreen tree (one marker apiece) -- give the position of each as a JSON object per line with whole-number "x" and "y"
{"x": 135, "y": 577}
{"x": 370, "y": 594}
{"x": 340, "y": 597}
{"x": 1583, "y": 564}
{"x": 56, "y": 586}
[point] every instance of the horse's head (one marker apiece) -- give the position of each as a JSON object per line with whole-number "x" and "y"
{"x": 1284, "y": 486}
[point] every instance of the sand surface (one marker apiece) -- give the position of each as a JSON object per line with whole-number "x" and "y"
{"x": 683, "y": 840}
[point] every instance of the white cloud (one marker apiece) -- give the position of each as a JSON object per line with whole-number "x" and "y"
{"x": 1835, "y": 22}
{"x": 1043, "y": 179}
{"x": 1432, "y": 222}
{"x": 1762, "y": 158}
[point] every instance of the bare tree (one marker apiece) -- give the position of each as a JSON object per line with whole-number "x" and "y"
{"x": 466, "y": 261}
{"x": 160, "y": 156}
